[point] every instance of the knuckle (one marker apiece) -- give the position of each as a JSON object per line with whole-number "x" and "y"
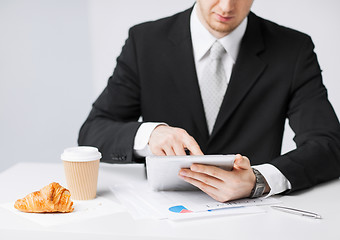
{"x": 189, "y": 174}
{"x": 205, "y": 180}
{"x": 207, "y": 170}
{"x": 191, "y": 140}
{"x": 192, "y": 143}
{"x": 181, "y": 132}
{"x": 246, "y": 159}
{"x": 197, "y": 168}
{"x": 213, "y": 172}
{"x": 202, "y": 186}
{"x": 171, "y": 138}
{"x": 161, "y": 142}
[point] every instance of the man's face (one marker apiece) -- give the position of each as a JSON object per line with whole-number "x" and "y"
{"x": 221, "y": 17}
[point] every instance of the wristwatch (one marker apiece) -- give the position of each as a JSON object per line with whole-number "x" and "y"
{"x": 260, "y": 185}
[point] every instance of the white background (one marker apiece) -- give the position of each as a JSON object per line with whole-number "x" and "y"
{"x": 56, "y": 57}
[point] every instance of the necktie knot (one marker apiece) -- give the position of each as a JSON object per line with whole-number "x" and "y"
{"x": 217, "y": 50}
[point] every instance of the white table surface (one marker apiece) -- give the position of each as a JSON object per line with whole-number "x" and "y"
{"x": 19, "y": 180}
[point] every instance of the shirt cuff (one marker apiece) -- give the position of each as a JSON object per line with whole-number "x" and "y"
{"x": 276, "y": 180}
{"x": 141, "y": 146}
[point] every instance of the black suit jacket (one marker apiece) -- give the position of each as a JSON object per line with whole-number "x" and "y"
{"x": 276, "y": 76}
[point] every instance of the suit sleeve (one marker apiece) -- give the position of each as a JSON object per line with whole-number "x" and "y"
{"x": 113, "y": 121}
{"x": 317, "y": 130}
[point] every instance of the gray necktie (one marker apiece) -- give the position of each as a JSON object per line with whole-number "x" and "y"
{"x": 213, "y": 84}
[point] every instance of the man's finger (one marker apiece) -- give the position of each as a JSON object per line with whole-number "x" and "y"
{"x": 168, "y": 150}
{"x": 192, "y": 146}
{"x": 212, "y": 171}
{"x": 201, "y": 177}
{"x": 158, "y": 152}
{"x": 179, "y": 149}
{"x": 207, "y": 188}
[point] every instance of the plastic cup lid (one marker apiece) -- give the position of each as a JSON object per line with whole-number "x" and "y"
{"x": 81, "y": 154}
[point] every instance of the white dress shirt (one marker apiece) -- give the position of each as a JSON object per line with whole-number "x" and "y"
{"x": 202, "y": 40}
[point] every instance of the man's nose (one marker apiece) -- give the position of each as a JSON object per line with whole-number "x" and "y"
{"x": 227, "y": 5}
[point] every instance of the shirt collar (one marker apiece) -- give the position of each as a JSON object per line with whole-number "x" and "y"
{"x": 202, "y": 39}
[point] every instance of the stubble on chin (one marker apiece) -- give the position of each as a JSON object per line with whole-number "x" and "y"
{"x": 221, "y": 28}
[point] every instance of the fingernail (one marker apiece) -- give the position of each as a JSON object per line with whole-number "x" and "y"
{"x": 183, "y": 173}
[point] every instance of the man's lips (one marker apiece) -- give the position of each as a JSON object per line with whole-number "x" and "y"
{"x": 222, "y": 18}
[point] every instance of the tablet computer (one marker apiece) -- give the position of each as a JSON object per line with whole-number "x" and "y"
{"x": 162, "y": 171}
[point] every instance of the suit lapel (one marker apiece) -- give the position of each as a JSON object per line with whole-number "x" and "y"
{"x": 182, "y": 67}
{"x": 246, "y": 72}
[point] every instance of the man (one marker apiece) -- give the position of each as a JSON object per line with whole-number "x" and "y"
{"x": 217, "y": 79}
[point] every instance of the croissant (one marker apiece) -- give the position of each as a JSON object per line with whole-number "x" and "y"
{"x": 51, "y": 198}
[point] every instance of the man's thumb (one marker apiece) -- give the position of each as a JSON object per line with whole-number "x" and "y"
{"x": 241, "y": 162}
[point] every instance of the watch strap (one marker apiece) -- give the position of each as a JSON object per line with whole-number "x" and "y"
{"x": 260, "y": 185}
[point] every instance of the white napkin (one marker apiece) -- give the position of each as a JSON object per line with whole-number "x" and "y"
{"x": 82, "y": 210}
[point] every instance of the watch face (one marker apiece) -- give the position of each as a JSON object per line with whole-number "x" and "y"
{"x": 259, "y": 191}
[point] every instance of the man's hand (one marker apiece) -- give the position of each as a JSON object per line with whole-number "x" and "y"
{"x": 166, "y": 140}
{"x": 220, "y": 184}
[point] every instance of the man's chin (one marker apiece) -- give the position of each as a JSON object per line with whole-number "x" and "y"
{"x": 222, "y": 30}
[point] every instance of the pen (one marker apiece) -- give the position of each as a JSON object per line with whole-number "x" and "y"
{"x": 297, "y": 212}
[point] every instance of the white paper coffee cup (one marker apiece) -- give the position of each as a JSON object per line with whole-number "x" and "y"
{"x": 81, "y": 165}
